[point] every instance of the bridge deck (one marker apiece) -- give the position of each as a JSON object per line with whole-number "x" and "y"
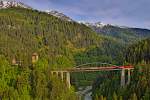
{"x": 93, "y": 69}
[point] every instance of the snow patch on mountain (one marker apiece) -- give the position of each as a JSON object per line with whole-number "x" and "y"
{"x": 59, "y": 15}
{"x": 10, "y": 3}
{"x": 97, "y": 24}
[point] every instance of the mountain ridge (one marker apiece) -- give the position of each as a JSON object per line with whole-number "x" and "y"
{"x": 13, "y": 3}
{"x": 9, "y": 3}
{"x": 120, "y": 32}
{"x": 59, "y": 15}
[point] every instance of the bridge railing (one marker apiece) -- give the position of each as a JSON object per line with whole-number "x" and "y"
{"x": 94, "y": 66}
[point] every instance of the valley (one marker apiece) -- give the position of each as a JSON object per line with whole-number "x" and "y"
{"x": 46, "y": 55}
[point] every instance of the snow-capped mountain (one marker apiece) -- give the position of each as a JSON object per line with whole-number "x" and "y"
{"x": 97, "y": 24}
{"x": 12, "y": 3}
{"x": 59, "y": 15}
{"x": 100, "y": 25}
{"x": 9, "y": 3}
{"x": 117, "y": 31}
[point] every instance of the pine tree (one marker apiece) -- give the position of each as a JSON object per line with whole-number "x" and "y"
{"x": 134, "y": 97}
{"x": 115, "y": 96}
{"x": 147, "y": 94}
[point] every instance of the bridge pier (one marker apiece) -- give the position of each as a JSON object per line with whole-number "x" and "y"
{"x": 122, "y": 77}
{"x": 61, "y": 75}
{"x": 129, "y": 76}
{"x": 68, "y": 79}
{"x": 57, "y": 73}
{"x": 123, "y": 83}
{"x": 54, "y": 73}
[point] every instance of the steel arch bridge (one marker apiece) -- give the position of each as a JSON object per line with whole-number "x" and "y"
{"x": 94, "y": 63}
{"x": 93, "y": 67}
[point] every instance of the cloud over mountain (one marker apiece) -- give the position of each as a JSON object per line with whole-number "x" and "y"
{"x": 122, "y": 12}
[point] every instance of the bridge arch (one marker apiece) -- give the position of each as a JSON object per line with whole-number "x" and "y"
{"x": 102, "y": 64}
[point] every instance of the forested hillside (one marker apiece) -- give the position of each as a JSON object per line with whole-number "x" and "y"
{"x": 139, "y": 88}
{"x": 126, "y": 34}
{"x": 139, "y": 52}
{"x": 24, "y": 31}
{"x": 24, "y": 83}
{"x": 58, "y": 43}
{"x": 61, "y": 44}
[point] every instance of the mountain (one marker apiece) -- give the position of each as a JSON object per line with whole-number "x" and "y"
{"x": 59, "y": 15}
{"x": 124, "y": 33}
{"x": 25, "y": 31}
{"x": 9, "y": 3}
{"x": 63, "y": 43}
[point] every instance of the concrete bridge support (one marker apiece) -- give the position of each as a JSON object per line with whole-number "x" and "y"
{"x": 61, "y": 74}
{"x": 123, "y": 78}
{"x": 68, "y": 79}
{"x": 129, "y": 76}
{"x": 54, "y": 73}
{"x": 64, "y": 75}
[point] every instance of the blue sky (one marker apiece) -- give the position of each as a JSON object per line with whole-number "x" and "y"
{"x": 134, "y": 13}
